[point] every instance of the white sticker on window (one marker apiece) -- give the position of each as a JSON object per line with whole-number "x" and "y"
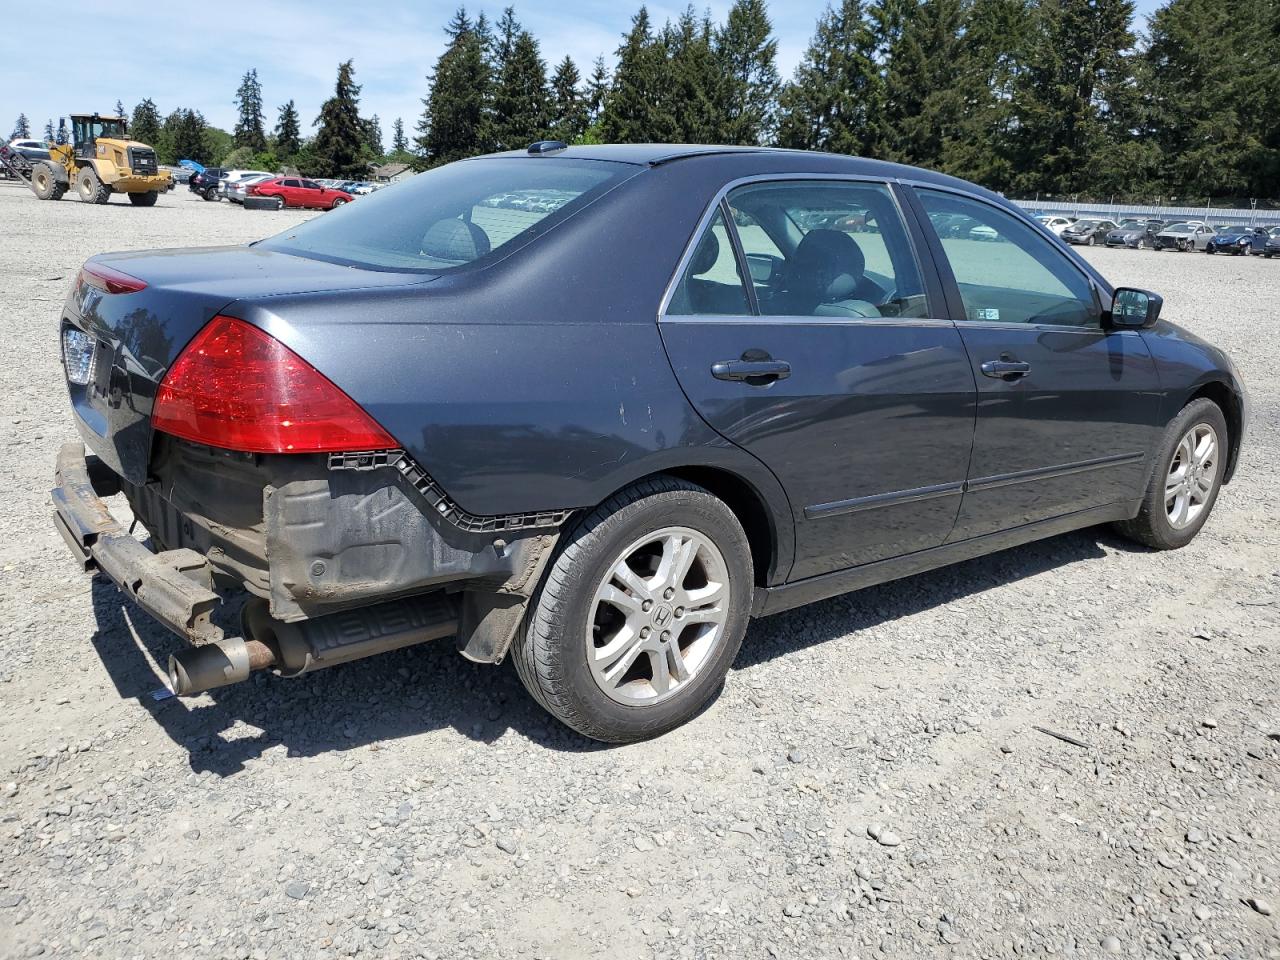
{"x": 987, "y": 313}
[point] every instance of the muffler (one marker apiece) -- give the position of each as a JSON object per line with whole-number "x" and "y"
{"x": 292, "y": 649}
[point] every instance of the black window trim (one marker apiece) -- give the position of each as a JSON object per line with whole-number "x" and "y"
{"x": 1101, "y": 290}
{"x": 915, "y": 235}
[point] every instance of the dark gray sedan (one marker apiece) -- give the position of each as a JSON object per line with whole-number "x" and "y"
{"x": 594, "y": 408}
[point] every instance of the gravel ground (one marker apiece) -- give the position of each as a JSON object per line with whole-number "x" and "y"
{"x": 417, "y": 805}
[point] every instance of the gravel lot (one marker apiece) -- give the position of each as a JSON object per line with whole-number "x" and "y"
{"x": 417, "y": 805}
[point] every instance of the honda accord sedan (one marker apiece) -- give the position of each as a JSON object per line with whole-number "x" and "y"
{"x": 599, "y": 430}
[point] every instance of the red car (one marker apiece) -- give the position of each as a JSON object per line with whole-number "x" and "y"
{"x": 298, "y": 192}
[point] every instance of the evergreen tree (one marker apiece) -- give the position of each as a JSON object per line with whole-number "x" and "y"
{"x": 288, "y": 132}
{"x": 747, "y": 52}
{"x": 501, "y": 46}
{"x": 695, "y": 92}
{"x": 569, "y": 117}
{"x": 63, "y": 135}
{"x": 145, "y": 124}
{"x": 399, "y": 142}
{"x": 183, "y": 138}
{"x": 342, "y": 134}
{"x": 249, "y": 130}
{"x": 21, "y": 128}
{"x": 1078, "y": 57}
{"x": 48, "y": 131}
{"x": 597, "y": 90}
{"x": 828, "y": 105}
{"x": 521, "y": 103}
{"x": 120, "y": 109}
{"x": 454, "y": 121}
{"x": 924, "y": 92}
{"x": 373, "y": 136}
{"x": 636, "y": 109}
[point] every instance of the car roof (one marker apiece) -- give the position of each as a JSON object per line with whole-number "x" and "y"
{"x": 769, "y": 160}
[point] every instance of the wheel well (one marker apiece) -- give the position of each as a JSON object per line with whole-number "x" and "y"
{"x": 747, "y": 506}
{"x": 1229, "y": 403}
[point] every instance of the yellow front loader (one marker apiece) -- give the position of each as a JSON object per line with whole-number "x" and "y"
{"x": 100, "y": 160}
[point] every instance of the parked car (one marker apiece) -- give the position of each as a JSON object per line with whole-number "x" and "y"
{"x": 234, "y": 176}
{"x": 1187, "y": 235}
{"x": 375, "y": 423}
{"x": 1055, "y": 224}
{"x": 205, "y": 182}
{"x": 1238, "y": 239}
{"x": 1088, "y": 232}
{"x": 1134, "y": 233}
{"x": 237, "y": 190}
{"x": 300, "y": 192}
{"x": 31, "y": 149}
{"x": 357, "y": 188}
{"x": 1272, "y": 247}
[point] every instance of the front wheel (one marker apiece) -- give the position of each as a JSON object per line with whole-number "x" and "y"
{"x": 1089, "y": 242}
{"x": 640, "y": 614}
{"x": 1184, "y": 486}
{"x": 1210, "y": 249}
{"x": 90, "y": 188}
{"x": 338, "y": 201}
{"x": 211, "y": 194}
{"x": 147, "y": 199}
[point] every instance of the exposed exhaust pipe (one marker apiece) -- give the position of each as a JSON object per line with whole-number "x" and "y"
{"x": 297, "y": 648}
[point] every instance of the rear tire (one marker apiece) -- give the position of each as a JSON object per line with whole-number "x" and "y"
{"x": 147, "y": 199}
{"x": 279, "y": 203}
{"x": 1089, "y": 242}
{"x": 615, "y": 584}
{"x": 90, "y": 188}
{"x": 1183, "y": 471}
{"x": 211, "y": 194}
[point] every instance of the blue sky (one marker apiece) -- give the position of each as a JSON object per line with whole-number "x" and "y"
{"x": 182, "y": 60}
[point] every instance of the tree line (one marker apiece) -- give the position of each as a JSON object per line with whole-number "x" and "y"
{"x": 1051, "y": 97}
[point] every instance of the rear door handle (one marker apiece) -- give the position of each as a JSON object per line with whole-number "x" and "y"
{"x": 764, "y": 371}
{"x": 1005, "y": 369}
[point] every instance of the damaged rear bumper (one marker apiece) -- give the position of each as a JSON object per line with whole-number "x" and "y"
{"x": 351, "y": 564}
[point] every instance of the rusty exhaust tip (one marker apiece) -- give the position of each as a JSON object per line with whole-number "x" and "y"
{"x": 219, "y": 664}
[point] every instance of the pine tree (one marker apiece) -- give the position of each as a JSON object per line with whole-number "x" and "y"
{"x": 48, "y": 131}
{"x": 1077, "y": 56}
{"x": 120, "y": 109}
{"x": 373, "y": 136}
{"x": 569, "y": 117}
{"x": 342, "y": 134}
{"x": 249, "y": 130}
{"x": 597, "y": 90}
{"x": 695, "y": 92}
{"x": 828, "y": 105}
{"x": 288, "y": 132}
{"x": 399, "y": 142}
{"x": 636, "y": 110}
{"x": 145, "y": 125}
{"x": 521, "y": 103}
{"x": 63, "y": 135}
{"x": 21, "y": 128}
{"x": 747, "y": 54}
{"x": 924, "y": 93}
{"x": 455, "y": 123}
{"x": 183, "y": 138}
{"x": 502, "y": 45}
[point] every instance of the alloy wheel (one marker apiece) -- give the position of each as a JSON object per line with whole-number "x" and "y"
{"x": 1192, "y": 475}
{"x": 658, "y": 616}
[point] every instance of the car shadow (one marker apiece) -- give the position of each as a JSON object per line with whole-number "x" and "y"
{"x": 370, "y": 702}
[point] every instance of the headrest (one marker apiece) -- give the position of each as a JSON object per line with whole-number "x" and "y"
{"x": 828, "y": 264}
{"x": 705, "y": 257}
{"x": 455, "y": 240}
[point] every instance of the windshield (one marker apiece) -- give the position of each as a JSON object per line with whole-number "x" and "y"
{"x": 455, "y": 215}
{"x": 1131, "y": 225}
{"x": 1235, "y": 229}
{"x": 1179, "y": 228}
{"x": 1084, "y": 224}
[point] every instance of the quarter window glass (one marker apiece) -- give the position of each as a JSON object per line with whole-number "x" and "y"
{"x": 827, "y": 249}
{"x": 711, "y": 285}
{"x": 1007, "y": 272}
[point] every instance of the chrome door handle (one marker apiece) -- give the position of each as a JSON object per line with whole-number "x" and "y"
{"x": 1005, "y": 369}
{"x": 764, "y": 371}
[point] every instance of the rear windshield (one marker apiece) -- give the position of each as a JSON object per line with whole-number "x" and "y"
{"x": 454, "y": 216}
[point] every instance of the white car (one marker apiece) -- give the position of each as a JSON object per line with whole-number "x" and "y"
{"x": 233, "y": 176}
{"x": 1055, "y": 224}
{"x": 237, "y": 190}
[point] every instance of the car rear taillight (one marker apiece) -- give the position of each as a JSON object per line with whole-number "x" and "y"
{"x": 236, "y": 387}
{"x": 108, "y": 280}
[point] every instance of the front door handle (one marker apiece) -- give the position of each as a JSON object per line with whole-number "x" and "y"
{"x": 1005, "y": 369}
{"x": 755, "y": 372}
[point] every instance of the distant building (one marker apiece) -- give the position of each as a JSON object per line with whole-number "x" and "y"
{"x": 392, "y": 172}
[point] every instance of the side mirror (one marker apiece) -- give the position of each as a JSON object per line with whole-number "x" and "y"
{"x": 1134, "y": 309}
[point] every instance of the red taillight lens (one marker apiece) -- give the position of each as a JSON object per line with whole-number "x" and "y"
{"x": 109, "y": 280}
{"x": 238, "y": 388}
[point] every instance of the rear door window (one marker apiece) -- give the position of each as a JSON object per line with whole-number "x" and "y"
{"x": 711, "y": 284}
